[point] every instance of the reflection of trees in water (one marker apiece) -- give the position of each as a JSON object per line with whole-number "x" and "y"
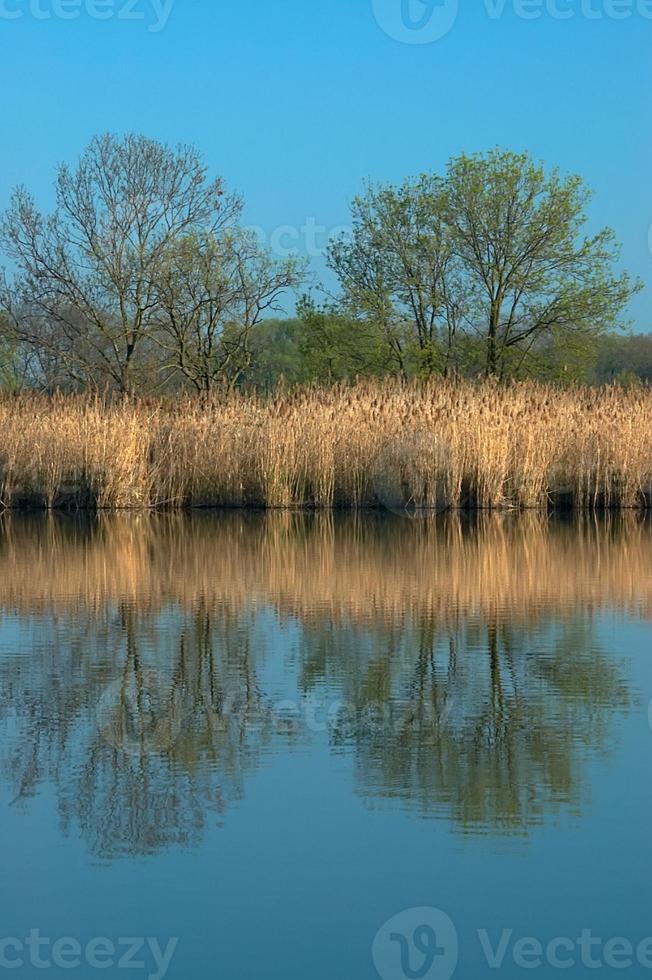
{"x": 170, "y": 745}
{"x": 489, "y": 723}
{"x": 474, "y": 691}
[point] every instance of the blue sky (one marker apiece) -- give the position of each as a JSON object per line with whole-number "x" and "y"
{"x": 295, "y": 102}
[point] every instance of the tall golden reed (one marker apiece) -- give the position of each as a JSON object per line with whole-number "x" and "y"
{"x": 475, "y": 445}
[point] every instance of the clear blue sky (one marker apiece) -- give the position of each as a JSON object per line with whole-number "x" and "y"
{"x": 296, "y": 102}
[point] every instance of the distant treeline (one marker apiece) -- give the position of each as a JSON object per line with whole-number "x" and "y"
{"x": 322, "y": 347}
{"x": 144, "y": 280}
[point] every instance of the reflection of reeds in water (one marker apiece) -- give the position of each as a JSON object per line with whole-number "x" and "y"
{"x": 338, "y": 568}
{"x": 473, "y": 445}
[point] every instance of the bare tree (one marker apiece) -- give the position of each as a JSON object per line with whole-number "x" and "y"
{"x": 87, "y": 282}
{"x": 213, "y": 292}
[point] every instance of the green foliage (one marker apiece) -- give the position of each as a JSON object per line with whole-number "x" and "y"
{"x": 336, "y": 347}
{"x": 622, "y": 358}
{"x": 275, "y": 355}
{"x": 492, "y": 256}
{"x": 321, "y": 344}
{"x": 12, "y": 367}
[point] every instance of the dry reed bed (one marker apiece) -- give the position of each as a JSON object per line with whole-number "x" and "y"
{"x": 474, "y": 445}
{"x": 325, "y": 568}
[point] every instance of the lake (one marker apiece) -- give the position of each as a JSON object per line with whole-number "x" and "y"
{"x": 310, "y": 746}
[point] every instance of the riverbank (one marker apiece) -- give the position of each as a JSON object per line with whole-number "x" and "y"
{"x": 405, "y": 448}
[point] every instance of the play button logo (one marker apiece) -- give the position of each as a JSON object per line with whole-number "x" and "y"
{"x": 418, "y": 944}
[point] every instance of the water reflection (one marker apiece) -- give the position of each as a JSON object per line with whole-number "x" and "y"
{"x": 149, "y": 666}
{"x": 486, "y": 724}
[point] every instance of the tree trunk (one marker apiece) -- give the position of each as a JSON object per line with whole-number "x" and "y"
{"x": 492, "y": 337}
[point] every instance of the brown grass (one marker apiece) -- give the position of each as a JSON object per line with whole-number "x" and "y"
{"x": 436, "y": 445}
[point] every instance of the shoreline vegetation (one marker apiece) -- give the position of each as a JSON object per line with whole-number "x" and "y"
{"x": 411, "y": 449}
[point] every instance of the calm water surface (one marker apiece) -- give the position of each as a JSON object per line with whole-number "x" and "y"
{"x": 265, "y": 737}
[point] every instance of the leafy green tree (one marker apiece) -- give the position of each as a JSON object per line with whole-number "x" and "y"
{"x": 12, "y": 376}
{"x": 334, "y": 347}
{"x": 275, "y": 354}
{"x": 321, "y": 345}
{"x": 493, "y": 257}
{"x": 14, "y": 365}
{"x": 528, "y": 265}
{"x": 397, "y": 270}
